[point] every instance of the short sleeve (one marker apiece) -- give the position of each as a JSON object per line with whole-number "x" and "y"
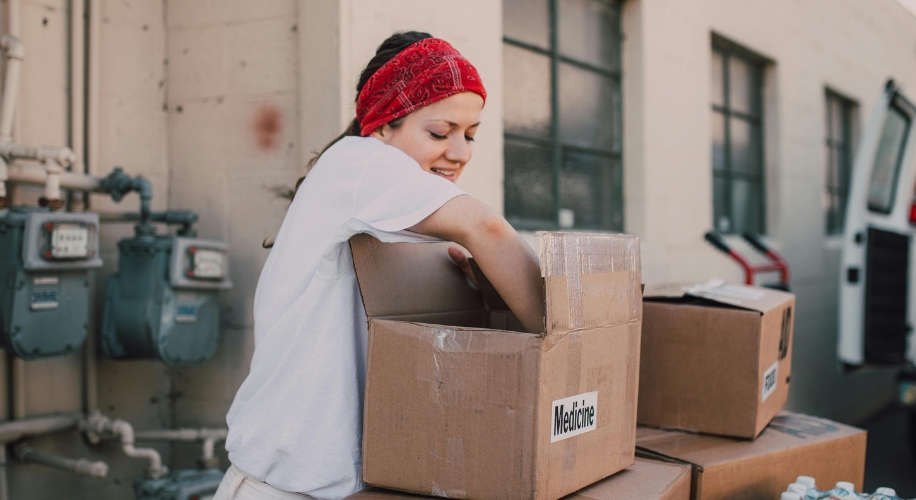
{"x": 395, "y": 193}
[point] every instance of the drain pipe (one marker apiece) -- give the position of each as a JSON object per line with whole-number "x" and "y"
{"x": 15, "y": 53}
{"x": 53, "y": 160}
{"x": 209, "y": 437}
{"x": 39, "y": 426}
{"x": 98, "y": 427}
{"x": 28, "y": 455}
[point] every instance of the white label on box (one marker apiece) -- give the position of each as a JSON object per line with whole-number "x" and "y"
{"x": 573, "y": 416}
{"x": 769, "y": 381}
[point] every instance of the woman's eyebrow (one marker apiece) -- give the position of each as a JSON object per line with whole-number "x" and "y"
{"x": 453, "y": 124}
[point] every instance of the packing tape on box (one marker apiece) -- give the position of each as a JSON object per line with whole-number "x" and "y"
{"x": 575, "y": 255}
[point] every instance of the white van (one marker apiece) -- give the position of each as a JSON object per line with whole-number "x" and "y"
{"x": 877, "y": 279}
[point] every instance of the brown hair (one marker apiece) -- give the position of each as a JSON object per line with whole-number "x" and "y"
{"x": 392, "y": 46}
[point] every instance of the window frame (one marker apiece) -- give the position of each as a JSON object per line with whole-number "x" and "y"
{"x": 555, "y": 143}
{"x": 849, "y": 109}
{"x": 728, "y": 50}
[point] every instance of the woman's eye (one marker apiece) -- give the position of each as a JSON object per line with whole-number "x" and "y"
{"x": 469, "y": 138}
{"x": 437, "y": 136}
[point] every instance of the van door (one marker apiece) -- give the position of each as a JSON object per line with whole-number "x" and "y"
{"x": 876, "y": 277}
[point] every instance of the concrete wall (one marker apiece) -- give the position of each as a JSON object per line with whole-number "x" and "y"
{"x": 222, "y": 102}
{"x": 848, "y": 46}
{"x": 131, "y": 127}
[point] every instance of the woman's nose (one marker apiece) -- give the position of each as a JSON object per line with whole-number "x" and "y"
{"x": 458, "y": 151}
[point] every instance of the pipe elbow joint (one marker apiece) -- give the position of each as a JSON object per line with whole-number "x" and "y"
{"x": 89, "y": 468}
{"x": 13, "y": 46}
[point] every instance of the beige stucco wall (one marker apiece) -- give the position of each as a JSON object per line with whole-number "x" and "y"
{"x": 220, "y": 102}
{"x": 849, "y": 46}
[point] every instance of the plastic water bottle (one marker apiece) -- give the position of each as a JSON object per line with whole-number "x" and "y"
{"x": 845, "y": 490}
{"x": 807, "y": 481}
{"x": 884, "y": 494}
{"x": 805, "y": 488}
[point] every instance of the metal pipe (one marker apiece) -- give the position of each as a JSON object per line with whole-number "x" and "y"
{"x": 15, "y": 53}
{"x": 209, "y": 437}
{"x": 17, "y": 381}
{"x": 4, "y": 175}
{"x": 34, "y": 174}
{"x": 94, "y": 85}
{"x": 168, "y": 217}
{"x": 4, "y": 484}
{"x": 20, "y": 429}
{"x": 8, "y": 106}
{"x": 12, "y": 11}
{"x": 62, "y": 156}
{"x": 28, "y": 455}
{"x": 98, "y": 425}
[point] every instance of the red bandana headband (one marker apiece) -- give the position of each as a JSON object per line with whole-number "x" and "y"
{"x": 423, "y": 73}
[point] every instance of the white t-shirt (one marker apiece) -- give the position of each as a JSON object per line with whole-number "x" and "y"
{"x": 296, "y": 421}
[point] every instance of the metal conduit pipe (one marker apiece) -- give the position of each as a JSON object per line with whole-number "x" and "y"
{"x": 15, "y": 53}
{"x": 62, "y": 156}
{"x": 34, "y": 174}
{"x": 17, "y": 386}
{"x": 54, "y": 160}
{"x": 209, "y": 437}
{"x": 28, "y": 455}
{"x": 97, "y": 426}
{"x": 19, "y": 429}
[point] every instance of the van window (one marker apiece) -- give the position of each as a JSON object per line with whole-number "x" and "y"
{"x": 886, "y": 167}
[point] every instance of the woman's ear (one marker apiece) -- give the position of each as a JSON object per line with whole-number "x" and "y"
{"x": 382, "y": 133}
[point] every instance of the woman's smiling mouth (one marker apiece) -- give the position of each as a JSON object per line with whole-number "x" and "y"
{"x": 448, "y": 174}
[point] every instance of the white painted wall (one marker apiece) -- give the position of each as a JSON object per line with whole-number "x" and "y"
{"x": 849, "y": 46}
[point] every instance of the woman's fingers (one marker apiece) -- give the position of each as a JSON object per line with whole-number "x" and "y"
{"x": 458, "y": 255}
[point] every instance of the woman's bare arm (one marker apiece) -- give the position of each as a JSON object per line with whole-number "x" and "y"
{"x": 508, "y": 262}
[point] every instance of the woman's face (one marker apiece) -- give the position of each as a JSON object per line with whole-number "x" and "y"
{"x": 440, "y": 137}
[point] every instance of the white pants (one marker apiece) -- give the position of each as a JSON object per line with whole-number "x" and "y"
{"x": 237, "y": 485}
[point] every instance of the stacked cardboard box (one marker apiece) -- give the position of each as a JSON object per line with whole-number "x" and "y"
{"x": 644, "y": 480}
{"x": 715, "y": 359}
{"x": 460, "y": 402}
{"x": 715, "y": 369}
{"x": 792, "y": 445}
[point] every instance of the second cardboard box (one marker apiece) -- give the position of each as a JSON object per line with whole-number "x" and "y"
{"x": 715, "y": 358}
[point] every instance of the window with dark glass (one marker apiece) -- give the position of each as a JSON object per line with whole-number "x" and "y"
{"x": 886, "y": 167}
{"x": 737, "y": 140}
{"x": 838, "y": 159}
{"x": 562, "y": 114}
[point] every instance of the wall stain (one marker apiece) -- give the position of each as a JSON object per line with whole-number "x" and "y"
{"x": 267, "y": 127}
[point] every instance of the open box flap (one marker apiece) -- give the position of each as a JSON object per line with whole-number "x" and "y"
{"x": 399, "y": 279}
{"x": 591, "y": 279}
{"x": 749, "y": 297}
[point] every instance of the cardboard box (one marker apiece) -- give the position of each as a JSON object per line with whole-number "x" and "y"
{"x": 456, "y": 407}
{"x": 715, "y": 358}
{"x": 644, "y": 480}
{"x": 792, "y": 445}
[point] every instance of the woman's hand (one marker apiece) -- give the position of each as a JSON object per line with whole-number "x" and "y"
{"x": 457, "y": 255}
{"x": 507, "y": 261}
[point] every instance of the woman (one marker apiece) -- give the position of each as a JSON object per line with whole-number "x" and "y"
{"x": 295, "y": 425}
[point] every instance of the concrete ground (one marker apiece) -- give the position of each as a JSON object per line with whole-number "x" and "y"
{"x": 889, "y": 461}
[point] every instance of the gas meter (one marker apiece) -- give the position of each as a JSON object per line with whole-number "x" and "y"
{"x": 45, "y": 260}
{"x": 163, "y": 303}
